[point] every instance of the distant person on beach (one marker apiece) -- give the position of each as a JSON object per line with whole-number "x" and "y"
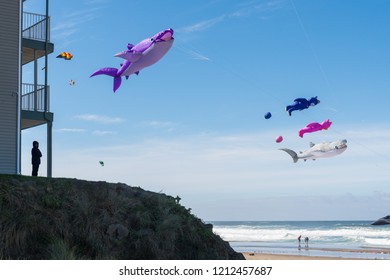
{"x": 306, "y": 241}
{"x": 299, "y": 240}
{"x": 35, "y": 158}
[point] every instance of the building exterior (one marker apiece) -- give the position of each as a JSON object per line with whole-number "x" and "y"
{"x": 25, "y": 38}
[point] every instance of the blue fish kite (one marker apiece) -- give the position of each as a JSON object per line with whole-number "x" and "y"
{"x": 136, "y": 58}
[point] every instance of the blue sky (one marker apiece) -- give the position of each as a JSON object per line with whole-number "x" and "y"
{"x": 192, "y": 125}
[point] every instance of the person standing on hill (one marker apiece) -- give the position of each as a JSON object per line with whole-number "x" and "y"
{"x": 35, "y": 158}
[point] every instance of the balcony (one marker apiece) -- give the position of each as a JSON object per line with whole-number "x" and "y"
{"x": 34, "y": 26}
{"x": 35, "y": 106}
{"x": 34, "y": 37}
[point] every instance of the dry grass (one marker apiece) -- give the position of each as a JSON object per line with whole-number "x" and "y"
{"x": 43, "y": 218}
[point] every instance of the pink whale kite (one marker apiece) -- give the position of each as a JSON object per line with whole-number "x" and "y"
{"x": 136, "y": 58}
{"x": 314, "y": 126}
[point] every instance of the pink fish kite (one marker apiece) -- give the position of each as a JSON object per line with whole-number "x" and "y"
{"x": 136, "y": 58}
{"x": 314, "y": 126}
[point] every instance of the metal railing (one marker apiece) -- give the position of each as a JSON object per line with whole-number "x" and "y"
{"x": 33, "y": 98}
{"x": 34, "y": 26}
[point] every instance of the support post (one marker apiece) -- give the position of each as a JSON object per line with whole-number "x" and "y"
{"x": 49, "y": 148}
{"x": 35, "y": 101}
{"x": 49, "y": 122}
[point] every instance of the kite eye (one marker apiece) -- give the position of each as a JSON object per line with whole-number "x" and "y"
{"x": 337, "y": 147}
{"x": 151, "y": 39}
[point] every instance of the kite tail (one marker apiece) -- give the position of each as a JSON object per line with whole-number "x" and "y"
{"x": 110, "y": 72}
{"x": 291, "y": 153}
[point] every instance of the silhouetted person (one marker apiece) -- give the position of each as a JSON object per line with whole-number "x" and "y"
{"x": 299, "y": 242}
{"x": 35, "y": 158}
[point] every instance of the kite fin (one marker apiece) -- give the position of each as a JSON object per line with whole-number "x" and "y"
{"x": 105, "y": 71}
{"x": 129, "y": 55}
{"x": 112, "y": 72}
{"x": 291, "y": 153}
{"x": 117, "y": 83}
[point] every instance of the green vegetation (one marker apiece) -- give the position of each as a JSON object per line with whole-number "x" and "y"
{"x": 42, "y": 218}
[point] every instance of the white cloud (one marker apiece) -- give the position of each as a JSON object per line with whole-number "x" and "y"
{"x": 104, "y": 132}
{"x": 245, "y": 10}
{"x": 166, "y": 125}
{"x": 202, "y": 25}
{"x": 270, "y": 6}
{"x": 233, "y": 169}
{"x": 223, "y": 163}
{"x": 100, "y": 118}
{"x": 343, "y": 206}
{"x": 71, "y": 23}
{"x": 94, "y": 2}
{"x": 77, "y": 130}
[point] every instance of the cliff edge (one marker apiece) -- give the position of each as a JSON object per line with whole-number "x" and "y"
{"x": 59, "y": 218}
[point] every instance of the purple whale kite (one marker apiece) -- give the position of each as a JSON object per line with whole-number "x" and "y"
{"x": 136, "y": 58}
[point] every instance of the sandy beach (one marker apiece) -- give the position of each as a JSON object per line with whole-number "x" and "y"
{"x": 267, "y": 256}
{"x": 261, "y": 256}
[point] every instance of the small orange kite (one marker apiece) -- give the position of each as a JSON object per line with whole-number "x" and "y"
{"x": 65, "y": 55}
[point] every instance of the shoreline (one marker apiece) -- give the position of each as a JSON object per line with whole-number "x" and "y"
{"x": 267, "y": 256}
{"x": 275, "y": 256}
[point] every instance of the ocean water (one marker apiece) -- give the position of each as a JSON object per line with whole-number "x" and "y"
{"x": 346, "y": 239}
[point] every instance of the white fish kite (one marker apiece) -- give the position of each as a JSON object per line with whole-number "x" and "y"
{"x": 321, "y": 150}
{"x": 136, "y": 58}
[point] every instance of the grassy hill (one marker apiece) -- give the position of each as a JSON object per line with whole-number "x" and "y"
{"x": 58, "y": 218}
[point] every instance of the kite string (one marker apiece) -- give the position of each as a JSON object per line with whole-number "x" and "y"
{"x": 362, "y": 145}
{"x": 325, "y": 76}
{"x": 311, "y": 46}
{"x": 190, "y": 51}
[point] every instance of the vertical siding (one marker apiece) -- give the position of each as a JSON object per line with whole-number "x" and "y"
{"x": 9, "y": 83}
